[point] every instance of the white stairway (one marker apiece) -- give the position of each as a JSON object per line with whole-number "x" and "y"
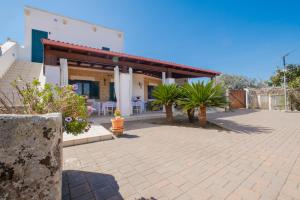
{"x": 24, "y": 69}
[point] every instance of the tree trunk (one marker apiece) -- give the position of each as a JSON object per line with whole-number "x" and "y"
{"x": 169, "y": 113}
{"x": 190, "y": 113}
{"x": 202, "y": 116}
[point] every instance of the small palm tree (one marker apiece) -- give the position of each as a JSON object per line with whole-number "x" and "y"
{"x": 166, "y": 95}
{"x": 200, "y": 95}
{"x": 183, "y": 101}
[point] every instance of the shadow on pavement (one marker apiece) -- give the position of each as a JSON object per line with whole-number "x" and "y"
{"x": 231, "y": 113}
{"x": 241, "y": 128}
{"x": 128, "y": 136}
{"x": 85, "y": 185}
{"x": 224, "y": 120}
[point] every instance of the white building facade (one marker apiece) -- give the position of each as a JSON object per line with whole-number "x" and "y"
{"x": 69, "y": 51}
{"x": 66, "y": 29}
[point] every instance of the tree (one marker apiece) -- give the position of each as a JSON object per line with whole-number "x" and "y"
{"x": 292, "y": 76}
{"x": 166, "y": 95}
{"x": 239, "y": 82}
{"x": 202, "y": 95}
{"x": 184, "y": 95}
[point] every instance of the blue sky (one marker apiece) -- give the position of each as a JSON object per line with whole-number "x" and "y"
{"x": 237, "y": 37}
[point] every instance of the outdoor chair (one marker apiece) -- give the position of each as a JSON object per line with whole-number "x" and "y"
{"x": 109, "y": 107}
{"x": 136, "y": 108}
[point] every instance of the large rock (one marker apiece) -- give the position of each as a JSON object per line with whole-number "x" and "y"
{"x": 30, "y": 156}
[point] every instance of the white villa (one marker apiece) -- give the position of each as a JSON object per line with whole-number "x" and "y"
{"x": 62, "y": 50}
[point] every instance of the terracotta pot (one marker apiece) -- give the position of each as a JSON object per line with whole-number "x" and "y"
{"x": 117, "y": 125}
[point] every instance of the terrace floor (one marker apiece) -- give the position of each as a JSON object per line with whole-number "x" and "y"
{"x": 260, "y": 159}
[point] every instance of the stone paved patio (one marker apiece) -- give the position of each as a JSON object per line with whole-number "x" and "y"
{"x": 259, "y": 160}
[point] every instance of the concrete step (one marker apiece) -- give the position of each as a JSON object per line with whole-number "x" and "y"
{"x": 95, "y": 134}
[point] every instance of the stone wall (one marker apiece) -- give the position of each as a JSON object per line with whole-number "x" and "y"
{"x": 30, "y": 156}
{"x": 271, "y": 98}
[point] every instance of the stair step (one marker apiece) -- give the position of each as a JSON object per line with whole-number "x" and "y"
{"x": 27, "y": 70}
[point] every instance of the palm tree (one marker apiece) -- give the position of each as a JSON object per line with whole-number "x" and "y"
{"x": 202, "y": 95}
{"x": 166, "y": 95}
{"x": 182, "y": 101}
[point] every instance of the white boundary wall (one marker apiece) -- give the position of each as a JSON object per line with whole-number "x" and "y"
{"x": 9, "y": 53}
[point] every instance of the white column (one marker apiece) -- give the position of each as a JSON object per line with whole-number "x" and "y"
{"x": 130, "y": 90}
{"x": 117, "y": 85}
{"x": 125, "y": 98}
{"x": 163, "y": 75}
{"x": 63, "y": 72}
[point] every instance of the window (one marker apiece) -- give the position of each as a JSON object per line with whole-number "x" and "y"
{"x": 112, "y": 94}
{"x": 150, "y": 90}
{"x": 105, "y": 48}
{"x": 87, "y": 88}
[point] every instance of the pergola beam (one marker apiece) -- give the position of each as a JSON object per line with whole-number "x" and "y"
{"x": 52, "y": 56}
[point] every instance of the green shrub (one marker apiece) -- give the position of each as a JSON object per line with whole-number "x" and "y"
{"x": 36, "y": 99}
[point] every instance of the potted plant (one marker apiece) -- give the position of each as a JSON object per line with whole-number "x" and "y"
{"x": 117, "y": 123}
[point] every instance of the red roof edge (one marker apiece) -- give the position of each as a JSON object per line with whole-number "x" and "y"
{"x": 124, "y": 55}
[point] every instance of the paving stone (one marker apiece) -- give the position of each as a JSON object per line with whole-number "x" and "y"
{"x": 87, "y": 196}
{"x": 136, "y": 179}
{"x": 259, "y": 160}
{"x": 197, "y": 193}
{"x": 171, "y": 191}
{"x": 177, "y": 180}
{"x": 154, "y": 177}
{"x": 79, "y": 190}
{"x": 127, "y": 190}
{"x": 105, "y": 193}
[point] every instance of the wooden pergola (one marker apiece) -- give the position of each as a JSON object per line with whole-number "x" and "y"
{"x": 87, "y": 57}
